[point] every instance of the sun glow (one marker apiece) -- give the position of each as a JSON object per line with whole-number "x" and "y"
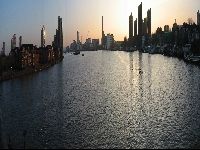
{"x": 123, "y": 11}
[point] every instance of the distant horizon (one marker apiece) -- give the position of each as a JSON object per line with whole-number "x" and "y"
{"x": 26, "y": 18}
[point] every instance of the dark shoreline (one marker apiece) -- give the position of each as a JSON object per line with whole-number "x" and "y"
{"x": 14, "y": 74}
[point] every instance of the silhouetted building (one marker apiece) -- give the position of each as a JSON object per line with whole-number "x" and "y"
{"x": 140, "y": 25}
{"x": 11, "y": 45}
{"x": 131, "y": 30}
{"x": 159, "y": 34}
{"x": 174, "y": 25}
{"x": 26, "y": 56}
{"x": 88, "y": 40}
{"x": 103, "y": 39}
{"x": 3, "y": 48}
{"x": 148, "y": 38}
{"x": 110, "y": 41}
{"x": 166, "y": 28}
{"x": 58, "y": 38}
{"x": 57, "y": 53}
{"x": 167, "y": 38}
{"x": 149, "y": 22}
{"x": 95, "y": 43}
{"x": 135, "y": 27}
{"x": 47, "y": 55}
{"x": 189, "y": 34}
{"x": 144, "y": 32}
{"x": 198, "y": 18}
{"x": 13, "y": 42}
{"x": 28, "y": 46}
{"x": 79, "y": 44}
{"x": 20, "y": 42}
{"x": 144, "y": 26}
{"x": 60, "y": 35}
{"x": 73, "y": 46}
{"x": 135, "y": 33}
{"x": 43, "y": 36}
{"x": 55, "y": 42}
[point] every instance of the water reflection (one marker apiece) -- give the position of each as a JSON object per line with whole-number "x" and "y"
{"x": 131, "y": 72}
{"x": 106, "y": 99}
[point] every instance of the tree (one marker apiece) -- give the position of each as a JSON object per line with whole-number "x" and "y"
{"x": 190, "y": 21}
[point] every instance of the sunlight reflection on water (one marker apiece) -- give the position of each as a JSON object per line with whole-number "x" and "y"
{"x": 106, "y": 99}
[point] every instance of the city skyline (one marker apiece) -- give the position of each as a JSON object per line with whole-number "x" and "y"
{"x": 26, "y": 18}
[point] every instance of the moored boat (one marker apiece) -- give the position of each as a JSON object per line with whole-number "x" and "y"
{"x": 76, "y": 52}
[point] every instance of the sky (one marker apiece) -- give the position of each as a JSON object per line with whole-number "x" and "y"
{"x": 26, "y": 18}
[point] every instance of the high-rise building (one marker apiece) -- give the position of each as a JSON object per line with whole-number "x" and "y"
{"x": 131, "y": 29}
{"x": 3, "y": 48}
{"x": 58, "y": 38}
{"x": 135, "y": 27}
{"x": 140, "y": 25}
{"x": 148, "y": 41}
{"x": 88, "y": 40}
{"x": 166, "y": 28}
{"x": 20, "y": 42}
{"x": 54, "y": 42}
{"x": 95, "y": 43}
{"x": 174, "y": 26}
{"x": 159, "y": 33}
{"x": 43, "y": 36}
{"x": 103, "y": 38}
{"x": 149, "y": 22}
{"x": 60, "y": 35}
{"x": 144, "y": 26}
{"x": 13, "y": 42}
{"x": 110, "y": 40}
{"x": 135, "y": 33}
{"x": 11, "y": 45}
{"x": 198, "y": 18}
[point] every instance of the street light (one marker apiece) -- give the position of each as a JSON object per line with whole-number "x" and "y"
{"x": 11, "y": 70}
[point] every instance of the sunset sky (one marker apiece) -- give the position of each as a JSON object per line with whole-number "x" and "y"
{"x": 26, "y": 17}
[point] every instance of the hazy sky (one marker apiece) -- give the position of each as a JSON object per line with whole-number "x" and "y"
{"x": 26, "y": 17}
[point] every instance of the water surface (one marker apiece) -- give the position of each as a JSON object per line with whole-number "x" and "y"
{"x": 106, "y": 99}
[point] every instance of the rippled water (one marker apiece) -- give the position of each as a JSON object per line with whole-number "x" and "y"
{"x": 106, "y": 99}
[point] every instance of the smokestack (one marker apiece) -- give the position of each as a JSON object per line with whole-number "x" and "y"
{"x": 77, "y": 37}
{"x": 102, "y": 31}
{"x": 102, "y": 24}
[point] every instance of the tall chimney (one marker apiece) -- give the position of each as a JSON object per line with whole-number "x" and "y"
{"x": 102, "y": 24}
{"x": 102, "y": 31}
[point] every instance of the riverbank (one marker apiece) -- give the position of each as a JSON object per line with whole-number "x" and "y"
{"x": 7, "y": 75}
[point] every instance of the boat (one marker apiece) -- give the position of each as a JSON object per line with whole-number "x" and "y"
{"x": 76, "y": 52}
{"x": 194, "y": 59}
{"x": 131, "y": 49}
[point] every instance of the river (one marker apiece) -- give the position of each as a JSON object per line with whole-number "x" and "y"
{"x": 106, "y": 99}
